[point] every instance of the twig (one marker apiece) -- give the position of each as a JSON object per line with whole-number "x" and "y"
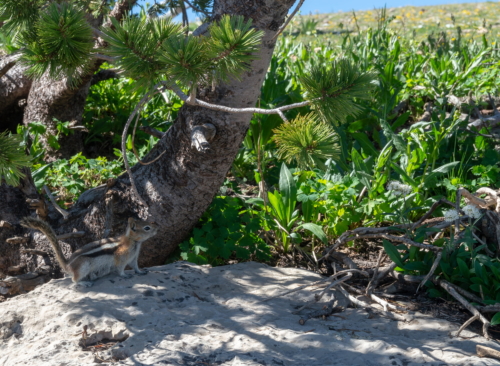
{"x": 320, "y": 296}
{"x": 362, "y": 194}
{"x": 369, "y": 287}
{"x": 385, "y": 304}
{"x": 483, "y": 351}
{"x": 289, "y": 19}
{"x": 143, "y": 101}
{"x": 305, "y": 286}
{"x": 427, "y": 214}
{"x": 431, "y": 272}
{"x": 196, "y": 9}
{"x": 466, "y": 324}
{"x": 152, "y": 131}
{"x": 54, "y": 203}
{"x": 399, "y": 239}
{"x": 451, "y": 290}
{"x": 34, "y": 252}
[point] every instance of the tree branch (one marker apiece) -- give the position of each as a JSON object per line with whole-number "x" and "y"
{"x": 99, "y": 56}
{"x": 152, "y": 131}
{"x": 54, "y": 203}
{"x": 104, "y": 74}
{"x": 289, "y": 19}
{"x": 8, "y": 62}
{"x": 198, "y": 10}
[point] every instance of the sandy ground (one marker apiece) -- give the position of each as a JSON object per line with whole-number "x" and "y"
{"x": 183, "y": 314}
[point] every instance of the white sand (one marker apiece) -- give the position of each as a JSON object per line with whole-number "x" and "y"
{"x": 183, "y": 314}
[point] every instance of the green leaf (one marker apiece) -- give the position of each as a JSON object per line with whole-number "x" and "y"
{"x": 316, "y": 230}
{"x": 277, "y": 205}
{"x": 404, "y": 176}
{"x": 464, "y": 270}
{"x": 496, "y": 319}
{"x": 288, "y": 190}
{"x": 393, "y": 253}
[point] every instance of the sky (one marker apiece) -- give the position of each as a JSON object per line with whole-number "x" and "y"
{"x": 332, "y": 6}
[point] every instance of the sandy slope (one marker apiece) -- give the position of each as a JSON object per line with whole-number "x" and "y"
{"x": 183, "y": 314}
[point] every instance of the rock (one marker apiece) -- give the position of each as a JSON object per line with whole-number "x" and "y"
{"x": 183, "y": 314}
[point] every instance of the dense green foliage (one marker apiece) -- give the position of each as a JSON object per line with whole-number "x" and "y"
{"x": 349, "y": 163}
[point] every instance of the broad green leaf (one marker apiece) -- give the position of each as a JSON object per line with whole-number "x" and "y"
{"x": 316, "y": 230}
{"x": 464, "y": 270}
{"x": 393, "y": 253}
{"x": 496, "y": 319}
{"x": 403, "y": 175}
{"x": 288, "y": 190}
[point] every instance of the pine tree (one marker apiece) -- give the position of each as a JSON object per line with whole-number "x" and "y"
{"x": 63, "y": 43}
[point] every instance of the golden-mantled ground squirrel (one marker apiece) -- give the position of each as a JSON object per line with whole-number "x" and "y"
{"x": 101, "y": 257}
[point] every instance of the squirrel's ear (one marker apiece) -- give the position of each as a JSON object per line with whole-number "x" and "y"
{"x": 131, "y": 223}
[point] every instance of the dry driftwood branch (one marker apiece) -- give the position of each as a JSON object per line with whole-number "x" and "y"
{"x": 54, "y": 203}
{"x": 462, "y": 192}
{"x": 308, "y": 285}
{"x": 385, "y": 304}
{"x": 39, "y": 206}
{"x": 152, "y": 131}
{"x": 23, "y": 283}
{"x": 429, "y": 213}
{"x": 369, "y": 287}
{"x": 17, "y": 240}
{"x": 487, "y": 308}
{"x": 6, "y": 224}
{"x": 34, "y": 252}
{"x": 318, "y": 297}
{"x": 201, "y": 135}
{"x": 466, "y": 324}
{"x": 453, "y": 292}
{"x": 399, "y": 239}
{"x": 431, "y": 272}
{"x": 483, "y": 351}
{"x": 370, "y": 308}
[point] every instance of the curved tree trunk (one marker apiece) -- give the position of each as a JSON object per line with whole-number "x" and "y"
{"x": 179, "y": 187}
{"x": 51, "y": 101}
{"x": 14, "y": 90}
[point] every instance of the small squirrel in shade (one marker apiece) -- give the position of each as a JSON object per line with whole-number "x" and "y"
{"x": 99, "y": 258}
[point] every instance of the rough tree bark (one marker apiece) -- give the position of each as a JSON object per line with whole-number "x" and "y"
{"x": 179, "y": 186}
{"x": 48, "y": 101}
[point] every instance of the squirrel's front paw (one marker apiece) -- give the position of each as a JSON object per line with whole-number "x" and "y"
{"x": 142, "y": 273}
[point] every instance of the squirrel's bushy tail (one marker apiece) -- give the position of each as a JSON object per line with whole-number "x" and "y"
{"x": 44, "y": 227}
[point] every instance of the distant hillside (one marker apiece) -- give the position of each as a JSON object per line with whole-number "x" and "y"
{"x": 473, "y": 20}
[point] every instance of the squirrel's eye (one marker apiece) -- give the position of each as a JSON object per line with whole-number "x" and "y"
{"x": 147, "y": 228}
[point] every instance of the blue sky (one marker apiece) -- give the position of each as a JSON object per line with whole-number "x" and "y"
{"x": 332, "y": 6}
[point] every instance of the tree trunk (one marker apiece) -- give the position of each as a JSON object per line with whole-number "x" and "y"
{"x": 180, "y": 186}
{"x": 14, "y": 90}
{"x": 51, "y": 101}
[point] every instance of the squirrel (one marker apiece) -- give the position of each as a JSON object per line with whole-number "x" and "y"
{"x": 98, "y": 258}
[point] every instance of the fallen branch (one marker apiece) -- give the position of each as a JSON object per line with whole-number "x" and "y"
{"x": 54, "y": 203}
{"x": 453, "y": 292}
{"x": 17, "y": 240}
{"x": 483, "y": 351}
